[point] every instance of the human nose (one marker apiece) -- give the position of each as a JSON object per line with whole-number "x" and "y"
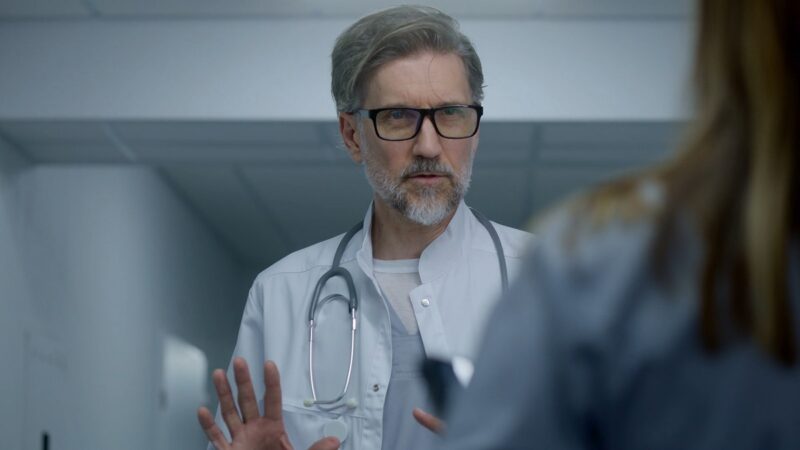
{"x": 427, "y": 143}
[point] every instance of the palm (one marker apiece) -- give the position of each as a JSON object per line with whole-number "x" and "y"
{"x": 263, "y": 434}
{"x": 251, "y": 430}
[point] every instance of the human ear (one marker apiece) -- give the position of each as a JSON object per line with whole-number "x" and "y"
{"x": 348, "y": 128}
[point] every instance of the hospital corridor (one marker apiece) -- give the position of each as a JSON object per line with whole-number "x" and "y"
{"x": 155, "y": 157}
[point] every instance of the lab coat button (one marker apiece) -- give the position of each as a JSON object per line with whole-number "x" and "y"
{"x": 375, "y": 388}
{"x": 425, "y": 302}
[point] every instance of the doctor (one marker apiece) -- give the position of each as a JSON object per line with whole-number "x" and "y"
{"x": 417, "y": 279}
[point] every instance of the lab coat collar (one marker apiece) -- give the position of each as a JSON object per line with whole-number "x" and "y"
{"x": 364, "y": 255}
{"x": 439, "y": 256}
{"x": 436, "y": 258}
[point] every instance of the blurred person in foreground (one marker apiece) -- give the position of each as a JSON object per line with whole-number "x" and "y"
{"x": 662, "y": 311}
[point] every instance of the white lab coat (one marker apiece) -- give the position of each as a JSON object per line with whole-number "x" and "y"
{"x": 461, "y": 281}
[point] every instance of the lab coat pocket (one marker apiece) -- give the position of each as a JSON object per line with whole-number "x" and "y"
{"x": 306, "y": 425}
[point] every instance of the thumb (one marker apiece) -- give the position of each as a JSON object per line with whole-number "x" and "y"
{"x": 429, "y": 421}
{"x": 327, "y": 443}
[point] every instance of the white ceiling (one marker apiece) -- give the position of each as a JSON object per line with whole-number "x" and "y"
{"x": 267, "y": 188}
{"x": 37, "y": 9}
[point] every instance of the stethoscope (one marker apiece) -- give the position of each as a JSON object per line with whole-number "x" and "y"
{"x": 337, "y": 270}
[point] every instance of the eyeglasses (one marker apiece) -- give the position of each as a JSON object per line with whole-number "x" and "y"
{"x": 400, "y": 124}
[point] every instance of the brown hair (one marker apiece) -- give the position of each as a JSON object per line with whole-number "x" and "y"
{"x": 737, "y": 171}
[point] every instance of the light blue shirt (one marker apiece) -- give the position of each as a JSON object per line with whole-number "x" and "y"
{"x": 407, "y": 390}
{"x": 407, "y": 387}
{"x": 588, "y": 350}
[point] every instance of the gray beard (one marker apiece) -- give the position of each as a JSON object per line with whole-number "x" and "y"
{"x": 431, "y": 204}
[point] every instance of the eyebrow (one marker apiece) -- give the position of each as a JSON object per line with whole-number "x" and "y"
{"x": 438, "y": 105}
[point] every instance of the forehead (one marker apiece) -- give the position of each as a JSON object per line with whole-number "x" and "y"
{"x": 421, "y": 80}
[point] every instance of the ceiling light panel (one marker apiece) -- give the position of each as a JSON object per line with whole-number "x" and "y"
{"x": 26, "y": 9}
{"x": 200, "y": 8}
{"x": 354, "y": 8}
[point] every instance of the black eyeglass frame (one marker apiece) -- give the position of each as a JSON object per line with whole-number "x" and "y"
{"x": 373, "y": 114}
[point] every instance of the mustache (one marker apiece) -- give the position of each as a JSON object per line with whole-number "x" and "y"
{"x": 426, "y": 165}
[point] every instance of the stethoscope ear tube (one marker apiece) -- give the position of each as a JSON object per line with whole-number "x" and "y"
{"x": 336, "y": 270}
{"x": 352, "y": 303}
{"x": 501, "y": 255}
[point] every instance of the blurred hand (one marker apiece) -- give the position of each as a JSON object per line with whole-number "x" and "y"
{"x": 429, "y": 421}
{"x": 251, "y": 431}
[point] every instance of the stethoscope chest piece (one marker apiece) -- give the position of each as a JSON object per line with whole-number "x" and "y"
{"x": 336, "y": 428}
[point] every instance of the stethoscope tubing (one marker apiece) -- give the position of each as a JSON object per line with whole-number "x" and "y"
{"x": 337, "y": 270}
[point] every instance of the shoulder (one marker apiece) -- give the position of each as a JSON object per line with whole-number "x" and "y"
{"x": 311, "y": 258}
{"x": 598, "y": 261}
{"x": 572, "y": 247}
{"x": 515, "y": 242}
{"x": 592, "y": 230}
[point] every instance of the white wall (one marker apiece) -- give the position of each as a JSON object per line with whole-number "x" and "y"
{"x": 14, "y": 297}
{"x": 99, "y": 263}
{"x": 536, "y": 70}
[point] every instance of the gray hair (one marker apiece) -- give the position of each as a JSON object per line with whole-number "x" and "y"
{"x": 391, "y": 34}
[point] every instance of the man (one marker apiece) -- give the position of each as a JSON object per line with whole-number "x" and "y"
{"x": 425, "y": 269}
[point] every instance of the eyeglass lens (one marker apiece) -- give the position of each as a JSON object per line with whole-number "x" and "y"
{"x": 453, "y": 122}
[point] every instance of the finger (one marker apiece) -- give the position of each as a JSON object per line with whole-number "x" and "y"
{"x": 210, "y": 428}
{"x": 327, "y": 443}
{"x": 226, "y": 405}
{"x": 428, "y": 421}
{"x": 247, "y": 398}
{"x": 273, "y": 402}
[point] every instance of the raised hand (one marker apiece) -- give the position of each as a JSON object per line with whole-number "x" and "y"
{"x": 251, "y": 430}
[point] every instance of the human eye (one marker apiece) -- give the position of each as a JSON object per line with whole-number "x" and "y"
{"x": 397, "y": 117}
{"x": 399, "y": 114}
{"x": 451, "y": 115}
{"x": 451, "y": 110}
